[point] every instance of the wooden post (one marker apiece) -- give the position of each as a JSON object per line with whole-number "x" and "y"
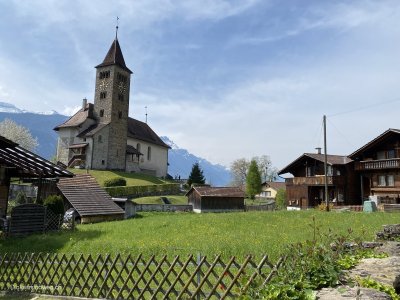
{"x": 326, "y": 167}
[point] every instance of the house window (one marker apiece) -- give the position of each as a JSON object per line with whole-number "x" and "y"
{"x": 391, "y": 154}
{"x": 390, "y": 180}
{"x": 101, "y": 113}
{"x": 386, "y": 180}
{"x": 120, "y": 97}
{"x": 268, "y": 193}
{"x": 381, "y": 180}
{"x": 381, "y": 155}
{"x": 103, "y": 95}
{"x": 309, "y": 171}
{"x": 149, "y": 153}
{"x": 120, "y": 115}
{"x": 329, "y": 171}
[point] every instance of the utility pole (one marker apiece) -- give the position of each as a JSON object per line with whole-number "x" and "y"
{"x": 326, "y": 167}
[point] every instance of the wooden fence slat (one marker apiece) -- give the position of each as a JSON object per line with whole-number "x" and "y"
{"x": 191, "y": 278}
{"x": 169, "y": 271}
{"x": 172, "y": 287}
{"x": 236, "y": 277}
{"x": 130, "y": 295}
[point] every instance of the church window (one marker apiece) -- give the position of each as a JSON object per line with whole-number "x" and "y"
{"x": 103, "y": 95}
{"x": 102, "y": 161}
{"x": 101, "y": 112}
{"x": 100, "y": 139}
{"x": 120, "y": 115}
{"x": 149, "y": 153}
{"x": 122, "y": 78}
{"x": 138, "y": 147}
{"x": 120, "y": 97}
{"x": 105, "y": 74}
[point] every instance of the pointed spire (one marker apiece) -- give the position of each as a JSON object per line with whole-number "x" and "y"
{"x": 114, "y": 55}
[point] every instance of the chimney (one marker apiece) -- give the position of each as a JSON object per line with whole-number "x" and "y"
{"x": 318, "y": 150}
{"x": 84, "y": 102}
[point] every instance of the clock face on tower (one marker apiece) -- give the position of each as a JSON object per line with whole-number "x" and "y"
{"x": 103, "y": 85}
{"x": 121, "y": 87}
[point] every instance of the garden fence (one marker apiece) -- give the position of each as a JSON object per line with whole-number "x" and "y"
{"x": 126, "y": 277}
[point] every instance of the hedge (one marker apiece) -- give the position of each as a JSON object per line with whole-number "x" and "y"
{"x": 143, "y": 190}
{"x": 116, "y": 181}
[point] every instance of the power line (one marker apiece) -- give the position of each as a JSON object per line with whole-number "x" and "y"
{"x": 364, "y": 107}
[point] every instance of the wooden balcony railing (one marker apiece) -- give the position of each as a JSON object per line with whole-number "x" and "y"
{"x": 314, "y": 180}
{"x": 377, "y": 164}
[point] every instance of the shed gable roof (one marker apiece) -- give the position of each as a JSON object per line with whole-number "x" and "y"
{"x": 87, "y": 197}
{"x": 207, "y": 191}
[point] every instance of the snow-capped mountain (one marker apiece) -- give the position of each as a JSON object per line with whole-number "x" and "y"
{"x": 41, "y": 126}
{"x": 181, "y": 162}
{"x": 11, "y": 108}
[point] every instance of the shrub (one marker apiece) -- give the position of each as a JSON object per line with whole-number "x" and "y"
{"x": 55, "y": 203}
{"x": 116, "y": 181}
{"x": 21, "y": 198}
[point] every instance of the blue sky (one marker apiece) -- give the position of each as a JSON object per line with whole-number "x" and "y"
{"x": 223, "y": 79}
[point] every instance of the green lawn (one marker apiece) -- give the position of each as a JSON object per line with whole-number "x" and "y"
{"x": 131, "y": 178}
{"x": 185, "y": 233}
{"x": 174, "y": 199}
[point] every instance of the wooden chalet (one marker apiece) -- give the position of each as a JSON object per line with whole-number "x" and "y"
{"x": 306, "y": 187}
{"x": 17, "y": 162}
{"x": 216, "y": 199}
{"x": 377, "y": 164}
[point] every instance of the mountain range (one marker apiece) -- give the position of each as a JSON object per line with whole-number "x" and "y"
{"x": 41, "y": 126}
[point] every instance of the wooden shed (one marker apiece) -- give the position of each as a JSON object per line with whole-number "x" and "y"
{"x": 216, "y": 199}
{"x": 91, "y": 201}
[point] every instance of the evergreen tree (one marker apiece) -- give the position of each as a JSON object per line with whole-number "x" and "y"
{"x": 196, "y": 175}
{"x": 253, "y": 180}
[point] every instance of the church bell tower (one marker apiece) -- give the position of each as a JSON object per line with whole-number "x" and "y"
{"x": 111, "y": 106}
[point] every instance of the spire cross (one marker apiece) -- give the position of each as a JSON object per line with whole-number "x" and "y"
{"x": 116, "y": 29}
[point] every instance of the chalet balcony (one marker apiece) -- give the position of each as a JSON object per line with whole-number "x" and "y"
{"x": 381, "y": 164}
{"x": 315, "y": 180}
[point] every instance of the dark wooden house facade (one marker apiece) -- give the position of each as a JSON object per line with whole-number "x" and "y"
{"x": 216, "y": 199}
{"x": 377, "y": 164}
{"x": 307, "y": 187}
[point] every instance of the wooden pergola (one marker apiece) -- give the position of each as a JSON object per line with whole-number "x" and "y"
{"x": 16, "y": 161}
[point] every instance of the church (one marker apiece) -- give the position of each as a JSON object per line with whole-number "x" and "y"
{"x": 102, "y": 136}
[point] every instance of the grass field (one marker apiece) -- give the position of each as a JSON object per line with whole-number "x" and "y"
{"x": 186, "y": 233}
{"x": 174, "y": 199}
{"x": 131, "y": 178}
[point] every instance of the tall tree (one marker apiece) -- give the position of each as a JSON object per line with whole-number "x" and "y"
{"x": 267, "y": 171}
{"x": 18, "y": 134}
{"x": 239, "y": 170}
{"x": 253, "y": 180}
{"x": 196, "y": 175}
